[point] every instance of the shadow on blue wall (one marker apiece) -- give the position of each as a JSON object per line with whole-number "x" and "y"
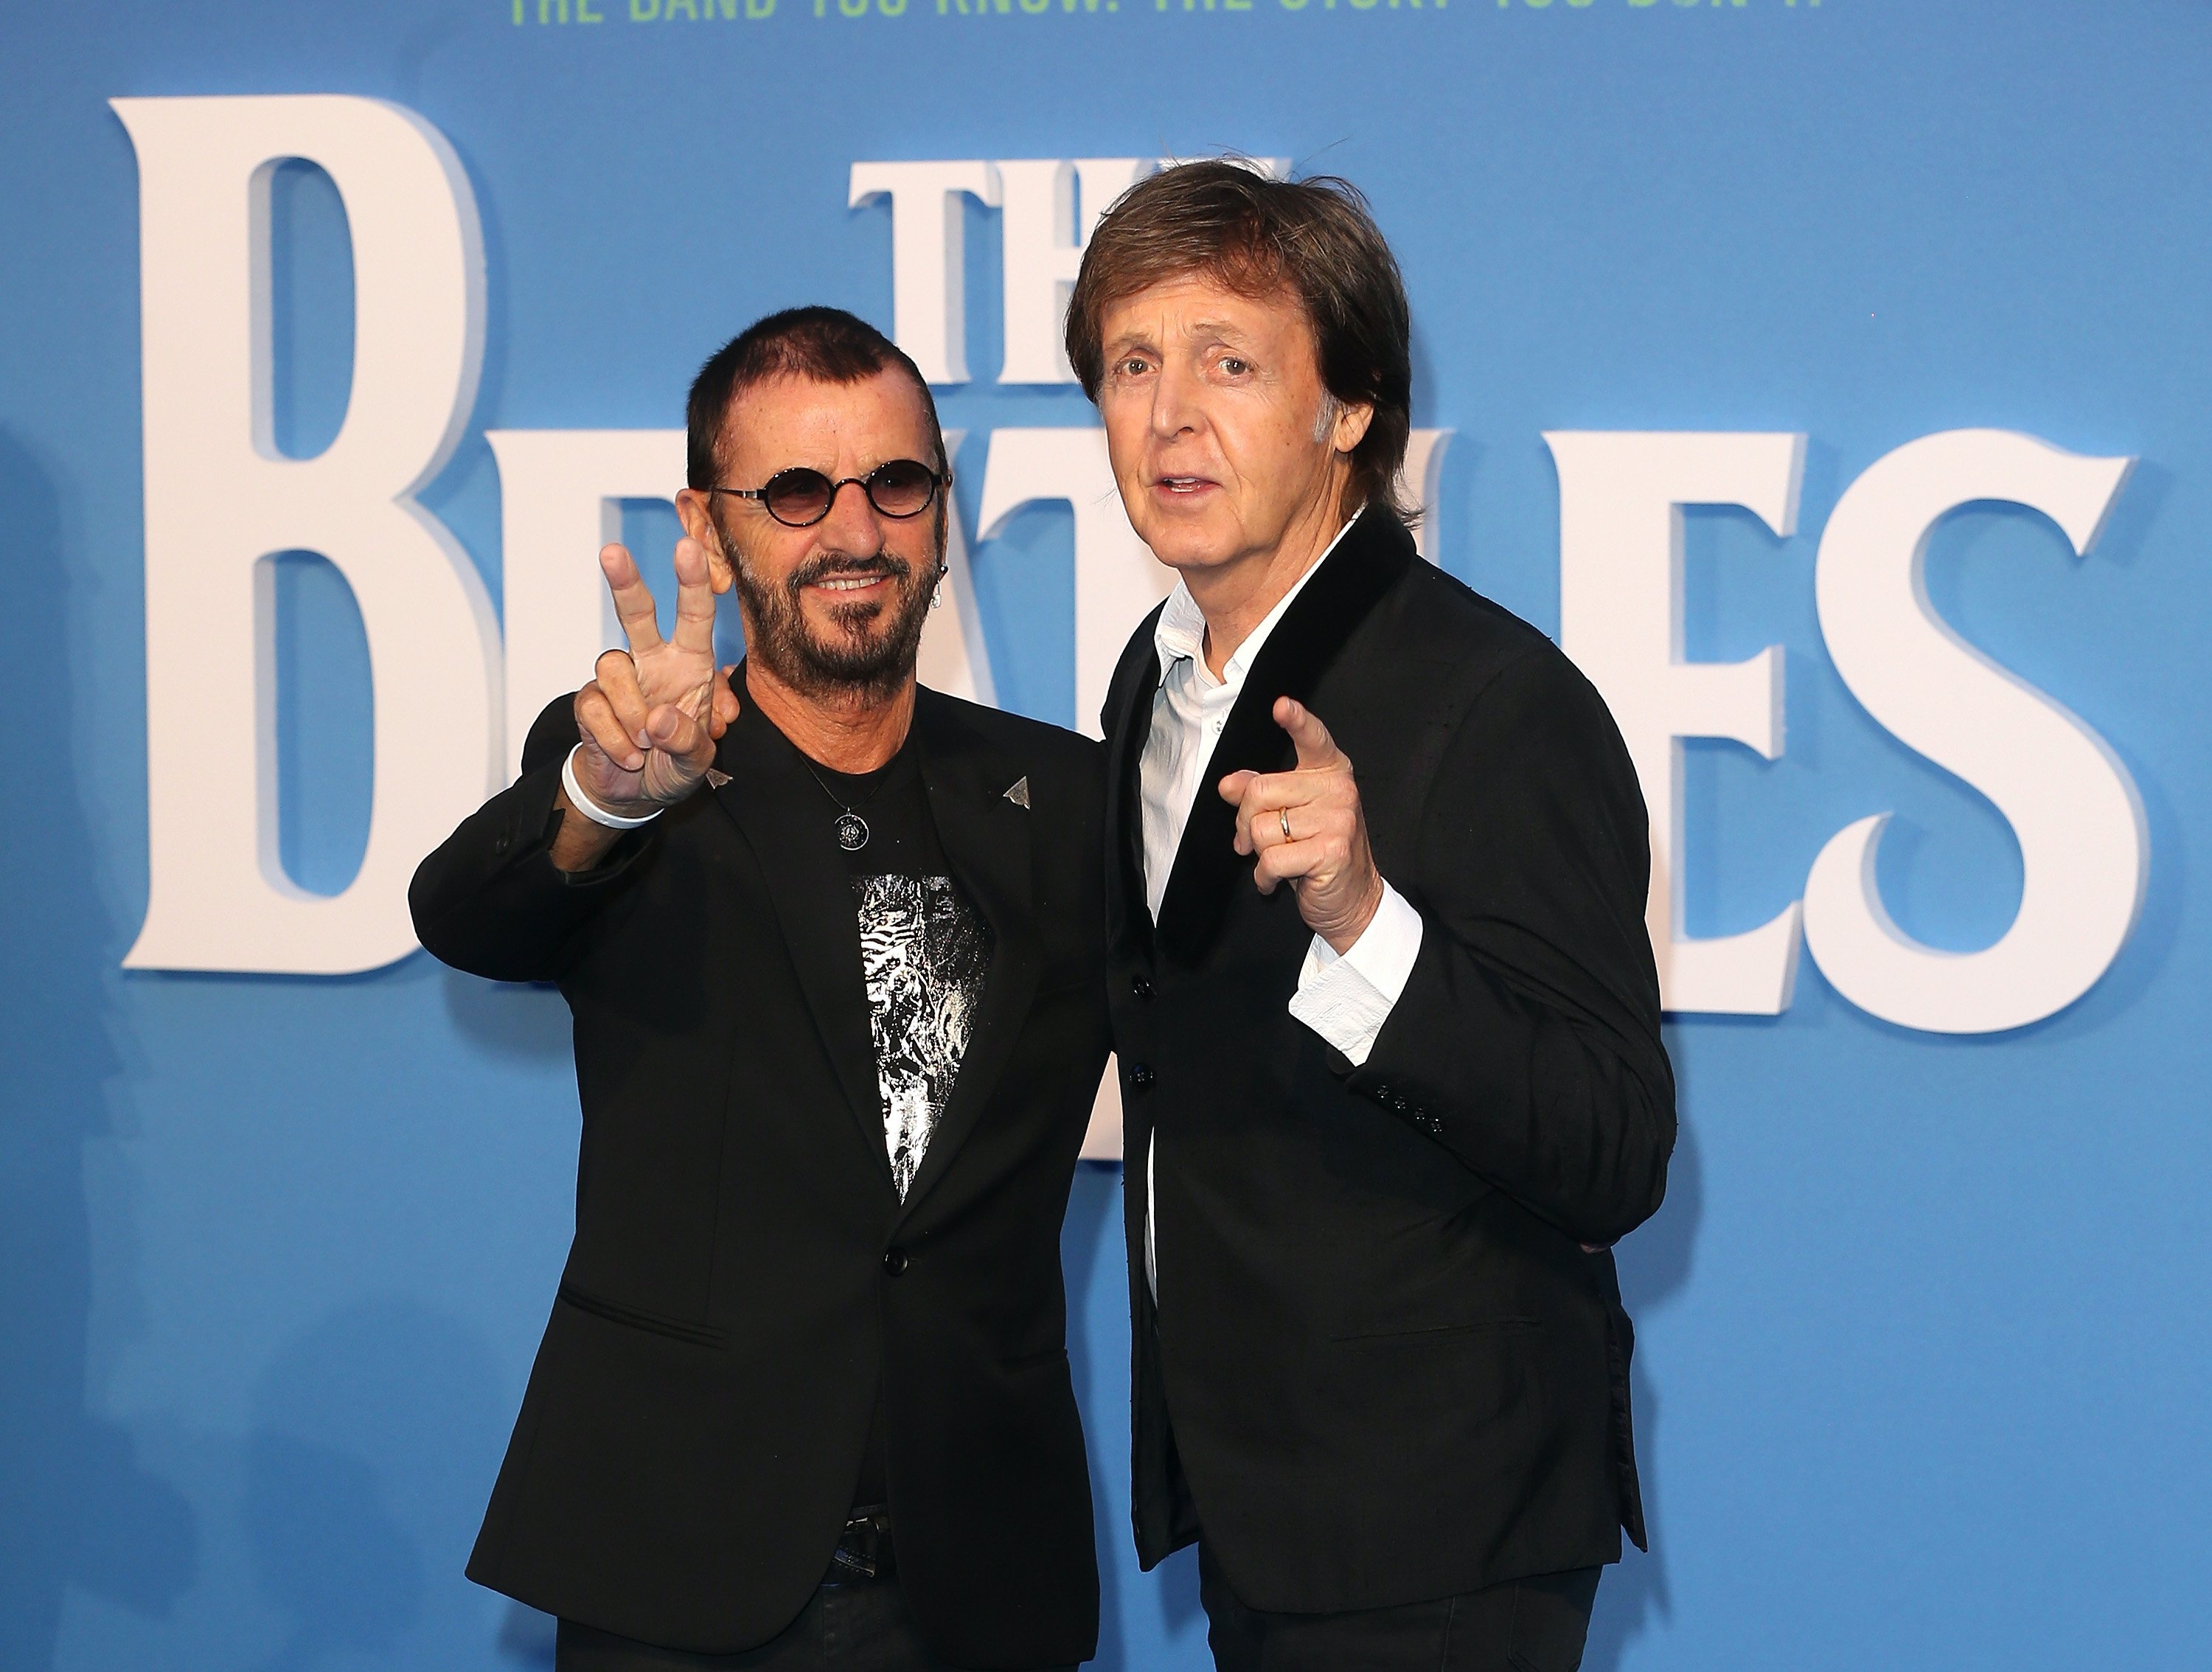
{"x": 511, "y": 1021}
{"x": 1655, "y": 1266}
{"x": 1092, "y": 1234}
{"x": 327, "y": 1551}
{"x": 75, "y": 1508}
{"x": 1092, "y": 1201}
{"x": 362, "y": 1428}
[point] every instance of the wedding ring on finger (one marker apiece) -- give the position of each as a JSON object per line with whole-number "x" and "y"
{"x": 1283, "y": 817}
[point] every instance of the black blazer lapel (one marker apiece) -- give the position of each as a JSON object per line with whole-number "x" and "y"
{"x": 1350, "y": 582}
{"x": 986, "y": 839}
{"x": 1127, "y": 722}
{"x": 786, "y": 819}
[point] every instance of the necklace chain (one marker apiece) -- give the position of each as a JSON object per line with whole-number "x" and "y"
{"x": 852, "y": 829}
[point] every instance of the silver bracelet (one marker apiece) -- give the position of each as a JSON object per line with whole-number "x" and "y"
{"x": 590, "y": 809}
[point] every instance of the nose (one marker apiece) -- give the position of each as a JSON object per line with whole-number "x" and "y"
{"x": 1175, "y": 409}
{"x": 852, "y": 524}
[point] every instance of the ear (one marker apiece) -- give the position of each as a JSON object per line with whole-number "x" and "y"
{"x": 692, "y": 510}
{"x": 944, "y": 520}
{"x": 1351, "y": 422}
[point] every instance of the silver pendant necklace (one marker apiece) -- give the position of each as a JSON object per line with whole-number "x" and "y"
{"x": 852, "y": 829}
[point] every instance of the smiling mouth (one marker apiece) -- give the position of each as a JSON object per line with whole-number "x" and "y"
{"x": 1184, "y": 484}
{"x": 850, "y": 583}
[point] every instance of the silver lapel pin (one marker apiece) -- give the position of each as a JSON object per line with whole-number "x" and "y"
{"x": 1018, "y": 793}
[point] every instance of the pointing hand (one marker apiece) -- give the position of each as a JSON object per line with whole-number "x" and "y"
{"x": 1308, "y": 829}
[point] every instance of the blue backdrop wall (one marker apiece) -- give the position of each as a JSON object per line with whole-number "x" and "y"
{"x": 1923, "y": 1322}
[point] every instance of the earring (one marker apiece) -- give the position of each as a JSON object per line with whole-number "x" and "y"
{"x": 936, "y": 598}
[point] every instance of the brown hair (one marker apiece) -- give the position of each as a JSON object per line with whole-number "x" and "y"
{"x": 1225, "y": 221}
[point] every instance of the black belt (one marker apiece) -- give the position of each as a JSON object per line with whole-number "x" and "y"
{"x": 864, "y": 1553}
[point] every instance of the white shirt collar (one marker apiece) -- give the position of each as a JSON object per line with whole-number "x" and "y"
{"x": 1181, "y": 630}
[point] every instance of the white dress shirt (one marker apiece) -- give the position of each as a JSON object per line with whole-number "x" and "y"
{"x": 1346, "y": 999}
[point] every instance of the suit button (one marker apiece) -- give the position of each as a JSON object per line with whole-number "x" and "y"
{"x": 1141, "y": 1078}
{"x": 895, "y": 1262}
{"x": 501, "y": 843}
{"x": 1141, "y": 988}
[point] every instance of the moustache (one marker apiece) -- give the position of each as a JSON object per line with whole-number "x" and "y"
{"x": 829, "y": 568}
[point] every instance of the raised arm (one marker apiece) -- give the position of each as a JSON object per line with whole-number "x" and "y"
{"x": 508, "y": 894}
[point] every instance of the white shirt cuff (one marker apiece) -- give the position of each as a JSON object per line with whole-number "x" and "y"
{"x": 1346, "y": 999}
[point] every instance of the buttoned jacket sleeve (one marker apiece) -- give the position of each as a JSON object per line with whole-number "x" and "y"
{"x": 1527, "y": 1039}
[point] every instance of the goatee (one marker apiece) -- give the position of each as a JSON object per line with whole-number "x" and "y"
{"x": 871, "y": 647}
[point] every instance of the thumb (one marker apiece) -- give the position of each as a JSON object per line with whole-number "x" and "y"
{"x": 1315, "y": 746}
{"x": 675, "y": 732}
{"x": 1231, "y": 788}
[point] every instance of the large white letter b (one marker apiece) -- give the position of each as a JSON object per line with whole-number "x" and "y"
{"x": 220, "y": 499}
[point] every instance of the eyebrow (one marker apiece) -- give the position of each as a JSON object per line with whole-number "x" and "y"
{"x": 1217, "y": 329}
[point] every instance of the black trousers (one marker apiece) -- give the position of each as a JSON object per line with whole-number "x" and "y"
{"x": 1523, "y": 1625}
{"x": 862, "y": 1627}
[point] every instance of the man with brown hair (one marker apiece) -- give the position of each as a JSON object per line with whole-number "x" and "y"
{"x": 1389, "y": 1047}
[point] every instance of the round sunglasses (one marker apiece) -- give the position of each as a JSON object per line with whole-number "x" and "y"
{"x": 799, "y": 497}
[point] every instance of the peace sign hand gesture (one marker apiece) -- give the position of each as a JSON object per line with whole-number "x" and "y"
{"x": 650, "y": 718}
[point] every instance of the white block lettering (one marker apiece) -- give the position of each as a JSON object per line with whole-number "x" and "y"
{"x": 1621, "y": 619}
{"x": 2083, "y": 842}
{"x": 220, "y": 499}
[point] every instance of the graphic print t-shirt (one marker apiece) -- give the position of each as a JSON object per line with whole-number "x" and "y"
{"x": 925, "y": 952}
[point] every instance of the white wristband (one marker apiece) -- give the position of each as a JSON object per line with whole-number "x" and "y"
{"x": 590, "y": 809}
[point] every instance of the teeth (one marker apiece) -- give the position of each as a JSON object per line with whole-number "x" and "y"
{"x": 852, "y": 584}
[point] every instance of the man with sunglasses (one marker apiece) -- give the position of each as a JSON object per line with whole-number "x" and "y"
{"x": 834, "y": 944}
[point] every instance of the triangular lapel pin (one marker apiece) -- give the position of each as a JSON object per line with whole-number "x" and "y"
{"x": 1019, "y": 793}
{"x": 716, "y": 777}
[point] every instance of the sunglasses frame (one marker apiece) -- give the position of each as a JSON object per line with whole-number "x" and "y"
{"x": 937, "y": 484}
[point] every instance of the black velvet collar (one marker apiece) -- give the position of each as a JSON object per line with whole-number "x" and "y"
{"x": 1352, "y": 580}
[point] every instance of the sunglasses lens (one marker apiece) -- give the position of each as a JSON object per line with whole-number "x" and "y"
{"x": 796, "y": 497}
{"x": 901, "y": 488}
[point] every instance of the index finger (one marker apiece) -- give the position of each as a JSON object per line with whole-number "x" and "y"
{"x": 694, "y": 598}
{"x": 641, "y": 618}
{"x": 1315, "y": 746}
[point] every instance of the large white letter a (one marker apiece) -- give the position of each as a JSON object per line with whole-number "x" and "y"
{"x": 220, "y": 499}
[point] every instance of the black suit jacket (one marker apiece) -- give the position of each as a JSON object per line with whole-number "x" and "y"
{"x": 743, "y": 1272}
{"x": 1381, "y": 1368}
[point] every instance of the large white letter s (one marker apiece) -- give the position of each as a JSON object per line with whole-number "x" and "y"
{"x": 220, "y": 499}
{"x": 2083, "y": 844}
